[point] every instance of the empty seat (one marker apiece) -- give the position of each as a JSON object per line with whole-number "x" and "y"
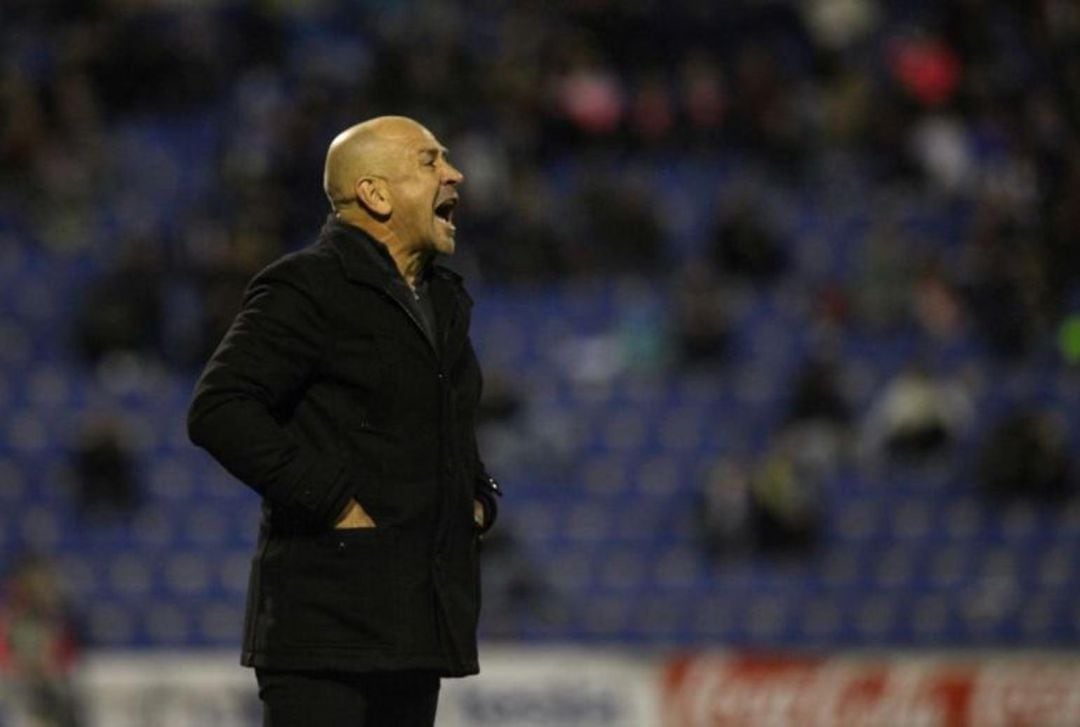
{"x": 1038, "y": 619}
{"x": 714, "y": 617}
{"x": 234, "y": 569}
{"x": 569, "y": 569}
{"x": 80, "y": 575}
{"x": 659, "y": 618}
{"x": 764, "y": 618}
{"x": 662, "y": 475}
{"x": 587, "y": 521}
{"x": 49, "y": 388}
{"x": 1056, "y": 567}
{"x": 208, "y": 526}
{"x": 637, "y": 520}
{"x": 928, "y": 618}
{"x": 621, "y": 570}
{"x": 607, "y": 617}
{"x": 12, "y": 484}
{"x": 912, "y": 519}
{"x": 624, "y": 430}
{"x": 40, "y": 528}
{"x": 963, "y": 519}
{"x": 896, "y": 567}
{"x": 681, "y": 430}
{"x": 170, "y": 479}
{"x": 820, "y": 619}
{"x": 840, "y": 568}
{"x": 131, "y": 576}
{"x": 606, "y": 474}
{"x": 109, "y": 624}
{"x": 677, "y": 567}
{"x": 1019, "y": 522}
{"x": 948, "y": 566}
{"x": 220, "y": 623}
{"x": 187, "y": 574}
{"x": 27, "y": 432}
{"x": 858, "y": 520}
{"x": 167, "y": 623}
{"x": 876, "y": 617}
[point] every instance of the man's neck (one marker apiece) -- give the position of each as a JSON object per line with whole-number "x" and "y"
{"x": 410, "y": 263}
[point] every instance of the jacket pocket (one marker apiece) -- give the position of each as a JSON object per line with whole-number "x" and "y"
{"x": 338, "y": 591}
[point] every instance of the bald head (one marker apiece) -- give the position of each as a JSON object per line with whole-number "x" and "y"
{"x": 391, "y": 177}
{"x": 375, "y": 148}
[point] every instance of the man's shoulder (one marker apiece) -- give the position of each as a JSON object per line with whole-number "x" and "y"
{"x": 313, "y": 266}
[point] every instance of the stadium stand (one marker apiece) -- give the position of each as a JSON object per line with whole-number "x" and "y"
{"x": 604, "y": 466}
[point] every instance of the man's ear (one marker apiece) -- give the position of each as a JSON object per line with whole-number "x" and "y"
{"x": 374, "y": 195}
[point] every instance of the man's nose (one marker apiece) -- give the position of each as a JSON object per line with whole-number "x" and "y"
{"x": 453, "y": 175}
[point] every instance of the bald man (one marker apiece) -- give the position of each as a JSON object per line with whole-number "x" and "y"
{"x": 345, "y": 395}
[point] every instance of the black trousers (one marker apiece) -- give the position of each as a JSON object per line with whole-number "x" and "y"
{"x": 342, "y": 699}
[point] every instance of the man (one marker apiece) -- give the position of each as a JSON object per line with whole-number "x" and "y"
{"x": 345, "y": 394}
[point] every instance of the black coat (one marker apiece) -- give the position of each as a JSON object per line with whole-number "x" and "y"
{"x": 326, "y": 387}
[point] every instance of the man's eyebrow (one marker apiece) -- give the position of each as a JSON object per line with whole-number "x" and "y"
{"x": 434, "y": 151}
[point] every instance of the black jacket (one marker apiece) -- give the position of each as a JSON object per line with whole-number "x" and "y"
{"x": 326, "y": 387}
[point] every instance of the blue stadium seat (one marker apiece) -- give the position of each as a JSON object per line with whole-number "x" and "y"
{"x": 234, "y": 569}
{"x": 188, "y": 574}
{"x": 220, "y": 623}
{"x": 166, "y": 623}
{"x": 910, "y": 556}
{"x": 132, "y": 575}
{"x": 606, "y": 475}
{"x": 109, "y": 624}
{"x": 587, "y": 522}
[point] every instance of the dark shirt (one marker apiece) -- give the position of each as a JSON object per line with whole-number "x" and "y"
{"x": 417, "y": 299}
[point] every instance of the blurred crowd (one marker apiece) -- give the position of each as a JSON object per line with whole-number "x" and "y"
{"x": 973, "y": 99}
{"x": 569, "y": 119}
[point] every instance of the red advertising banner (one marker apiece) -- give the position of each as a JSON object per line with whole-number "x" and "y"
{"x": 732, "y": 690}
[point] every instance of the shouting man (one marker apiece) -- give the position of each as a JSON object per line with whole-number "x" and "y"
{"x": 345, "y": 394}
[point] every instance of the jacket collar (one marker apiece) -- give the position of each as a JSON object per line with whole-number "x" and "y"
{"x": 368, "y": 261}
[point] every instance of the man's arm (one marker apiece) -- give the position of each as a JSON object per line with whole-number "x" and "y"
{"x": 486, "y": 493}
{"x": 256, "y": 373}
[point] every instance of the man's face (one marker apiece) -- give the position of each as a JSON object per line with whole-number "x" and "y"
{"x": 424, "y": 194}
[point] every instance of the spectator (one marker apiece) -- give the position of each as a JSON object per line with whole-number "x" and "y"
{"x": 885, "y": 278}
{"x": 785, "y": 504}
{"x": 938, "y": 306}
{"x": 123, "y": 311}
{"x": 622, "y": 227}
{"x": 817, "y": 394}
{"x": 817, "y": 427}
{"x": 744, "y": 247}
{"x": 917, "y": 417}
{"x": 724, "y": 519}
{"x": 702, "y": 327}
{"x": 1005, "y": 283}
{"x": 105, "y": 471}
{"x": 513, "y": 585}
{"x": 38, "y": 647}
{"x": 1026, "y": 456}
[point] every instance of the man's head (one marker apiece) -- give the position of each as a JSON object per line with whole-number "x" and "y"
{"x": 391, "y": 177}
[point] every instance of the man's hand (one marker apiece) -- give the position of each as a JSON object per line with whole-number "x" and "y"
{"x": 478, "y": 514}
{"x": 353, "y": 516}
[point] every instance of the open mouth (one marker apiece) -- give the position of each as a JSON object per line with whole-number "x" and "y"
{"x": 445, "y": 210}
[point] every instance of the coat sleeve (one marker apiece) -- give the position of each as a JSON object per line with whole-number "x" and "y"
{"x": 486, "y": 489}
{"x": 243, "y": 395}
